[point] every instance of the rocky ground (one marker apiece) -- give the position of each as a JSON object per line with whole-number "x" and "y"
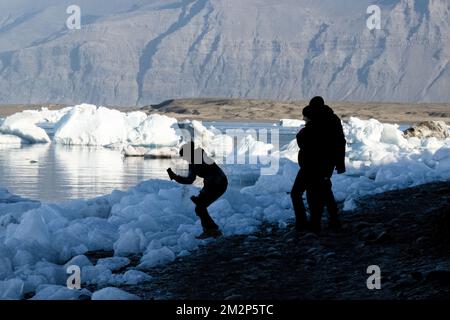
{"x": 406, "y": 233}
{"x": 270, "y": 110}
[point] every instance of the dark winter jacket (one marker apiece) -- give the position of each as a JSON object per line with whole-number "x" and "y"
{"x": 203, "y": 166}
{"x": 322, "y": 144}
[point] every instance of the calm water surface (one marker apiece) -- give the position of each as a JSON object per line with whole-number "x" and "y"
{"x": 55, "y": 173}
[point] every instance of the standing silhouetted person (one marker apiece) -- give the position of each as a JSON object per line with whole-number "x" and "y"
{"x": 215, "y": 185}
{"x": 322, "y": 150}
{"x": 299, "y": 187}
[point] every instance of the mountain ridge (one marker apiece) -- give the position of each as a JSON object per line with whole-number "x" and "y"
{"x": 144, "y": 52}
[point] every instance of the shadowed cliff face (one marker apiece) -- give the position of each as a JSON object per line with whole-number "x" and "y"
{"x": 142, "y": 52}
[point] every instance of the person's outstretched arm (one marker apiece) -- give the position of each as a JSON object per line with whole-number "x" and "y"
{"x": 183, "y": 180}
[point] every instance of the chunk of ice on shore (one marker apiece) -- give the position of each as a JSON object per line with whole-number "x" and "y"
{"x": 56, "y": 292}
{"x": 11, "y": 289}
{"x": 131, "y": 277}
{"x": 154, "y": 257}
{"x": 111, "y": 293}
{"x": 114, "y": 263}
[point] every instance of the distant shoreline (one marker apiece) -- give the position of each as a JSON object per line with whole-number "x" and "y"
{"x": 243, "y": 110}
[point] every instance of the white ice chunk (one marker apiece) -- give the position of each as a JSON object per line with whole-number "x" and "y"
{"x": 91, "y": 125}
{"x": 114, "y": 263}
{"x": 291, "y": 123}
{"x": 134, "y": 277}
{"x": 23, "y": 125}
{"x": 154, "y": 257}
{"x": 155, "y": 131}
{"x": 111, "y": 293}
{"x": 56, "y": 292}
{"x": 11, "y": 289}
{"x": 8, "y": 139}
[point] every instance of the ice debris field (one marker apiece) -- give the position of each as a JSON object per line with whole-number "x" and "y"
{"x": 156, "y": 218}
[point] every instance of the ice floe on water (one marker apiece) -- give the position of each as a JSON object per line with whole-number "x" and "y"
{"x": 24, "y": 126}
{"x": 155, "y": 220}
{"x": 291, "y": 123}
{"x": 92, "y": 126}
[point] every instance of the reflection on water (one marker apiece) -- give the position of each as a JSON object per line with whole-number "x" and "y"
{"x": 53, "y": 172}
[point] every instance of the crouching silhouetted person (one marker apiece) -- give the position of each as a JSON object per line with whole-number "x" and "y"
{"x": 215, "y": 185}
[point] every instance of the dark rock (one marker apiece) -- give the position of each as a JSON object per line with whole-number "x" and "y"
{"x": 313, "y": 250}
{"x": 234, "y": 297}
{"x": 361, "y": 225}
{"x": 329, "y": 255}
{"x": 309, "y": 236}
{"x": 428, "y": 129}
{"x": 404, "y": 283}
{"x": 367, "y": 235}
{"x": 416, "y": 275}
{"x": 274, "y": 255}
{"x": 439, "y": 276}
{"x": 381, "y": 237}
{"x": 422, "y": 241}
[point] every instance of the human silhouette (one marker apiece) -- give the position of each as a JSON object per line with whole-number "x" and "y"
{"x": 322, "y": 150}
{"x": 215, "y": 185}
{"x": 299, "y": 186}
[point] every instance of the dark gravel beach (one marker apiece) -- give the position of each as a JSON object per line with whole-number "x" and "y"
{"x": 406, "y": 233}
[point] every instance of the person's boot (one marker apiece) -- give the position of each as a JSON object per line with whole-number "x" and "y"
{"x": 211, "y": 233}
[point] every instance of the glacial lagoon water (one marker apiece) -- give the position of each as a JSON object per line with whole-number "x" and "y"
{"x": 54, "y": 173}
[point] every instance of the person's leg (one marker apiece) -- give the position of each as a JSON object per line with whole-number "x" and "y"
{"x": 330, "y": 202}
{"x": 206, "y": 220}
{"x": 297, "y": 191}
{"x": 314, "y": 194}
{"x": 207, "y": 196}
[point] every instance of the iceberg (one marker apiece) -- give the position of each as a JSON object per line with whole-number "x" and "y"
{"x": 155, "y": 131}
{"x": 253, "y": 147}
{"x": 291, "y": 123}
{"x": 24, "y": 126}
{"x": 214, "y": 142}
{"x": 90, "y": 125}
{"x": 8, "y": 139}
